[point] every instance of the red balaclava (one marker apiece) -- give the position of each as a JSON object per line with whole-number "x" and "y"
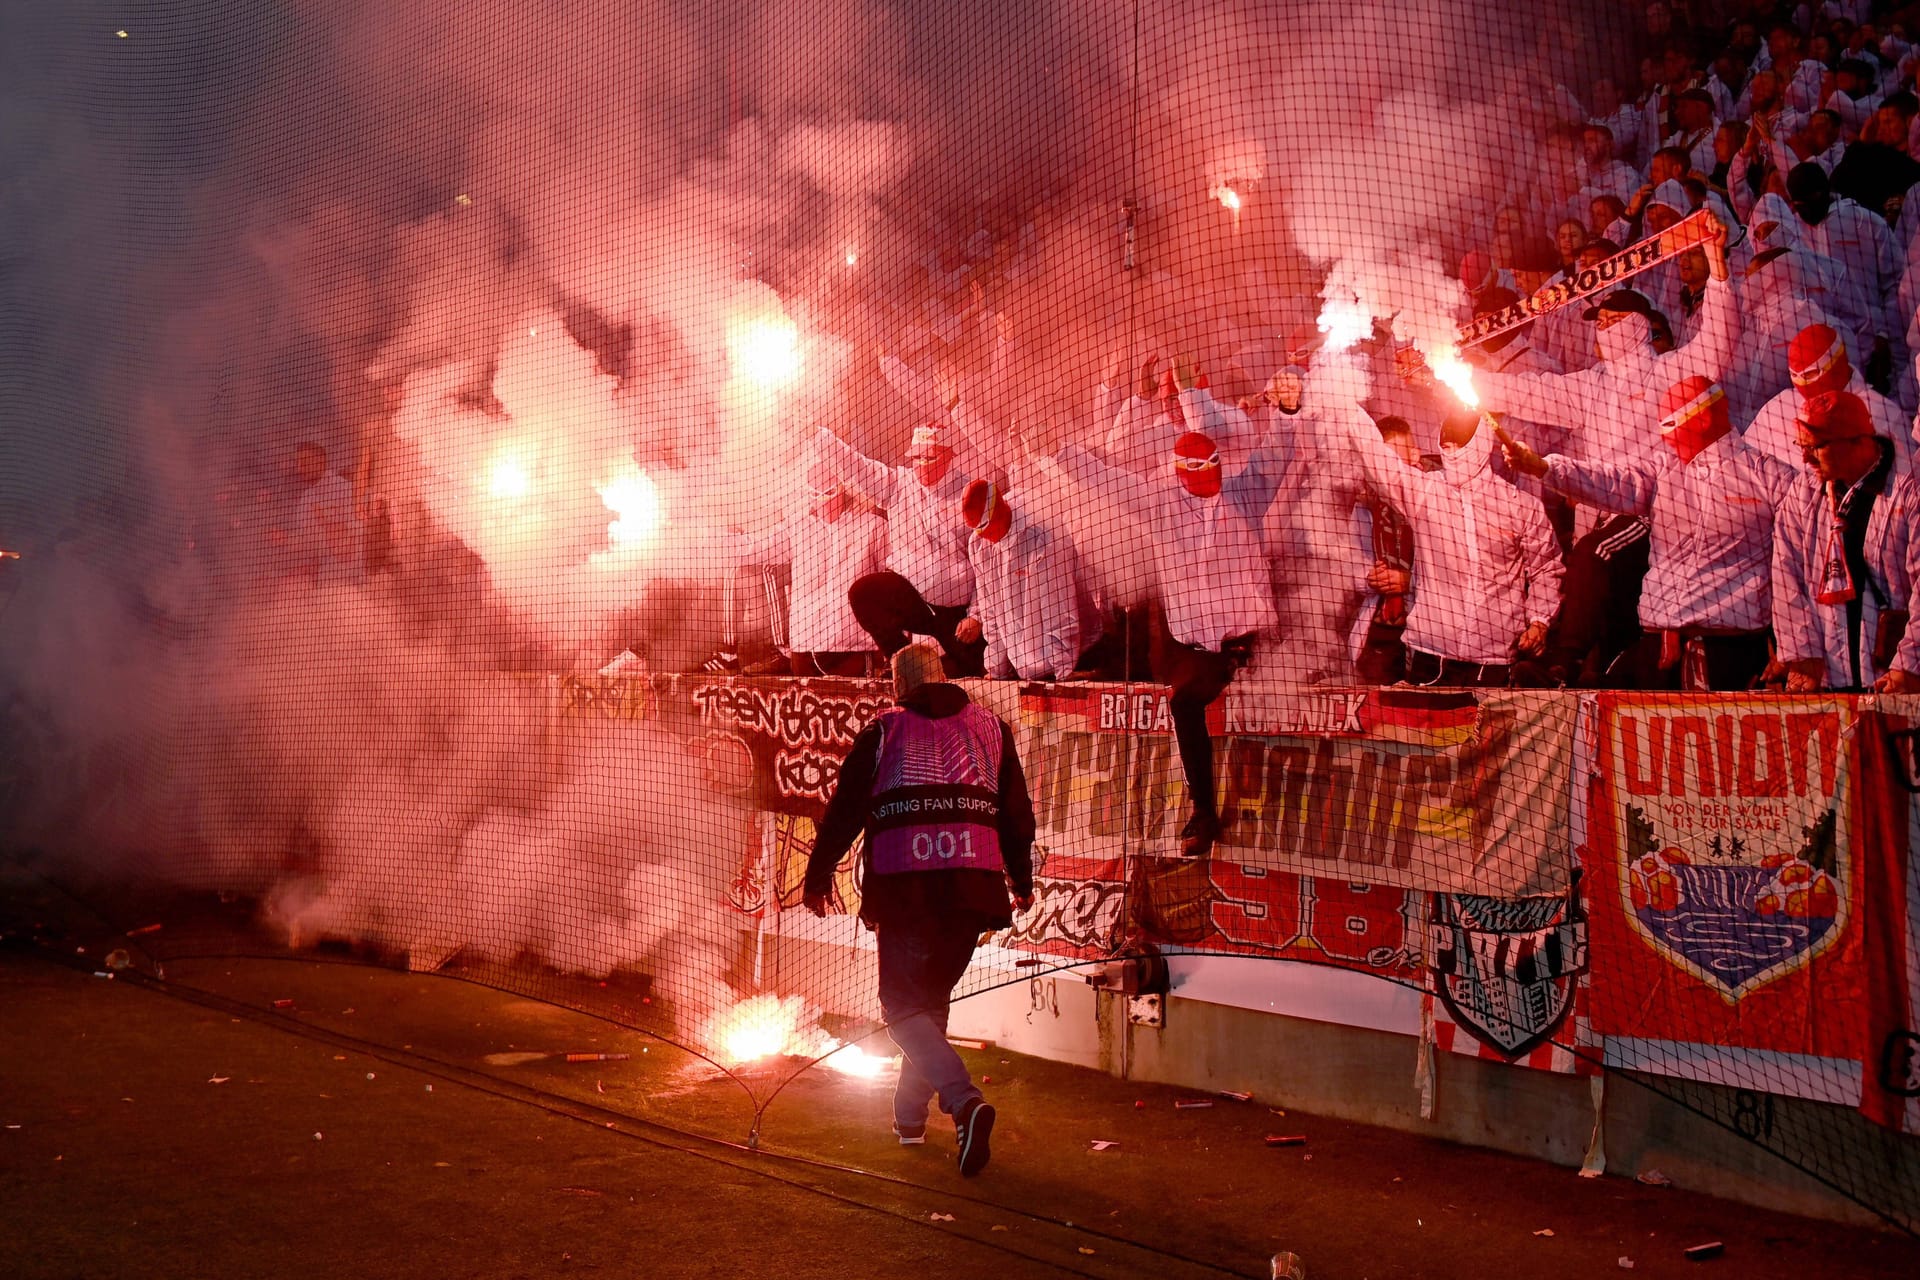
{"x": 930, "y": 454}
{"x": 1817, "y": 361}
{"x": 1197, "y": 463}
{"x": 985, "y": 511}
{"x": 1693, "y": 414}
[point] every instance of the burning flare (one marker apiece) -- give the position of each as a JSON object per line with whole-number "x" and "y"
{"x": 765, "y": 351}
{"x": 509, "y": 478}
{"x": 634, "y": 499}
{"x": 1344, "y": 322}
{"x": 1455, "y": 374}
{"x": 769, "y": 1026}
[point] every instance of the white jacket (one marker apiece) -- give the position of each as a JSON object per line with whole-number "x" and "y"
{"x": 1027, "y": 595}
{"x": 1318, "y": 538}
{"x": 926, "y": 537}
{"x": 1804, "y": 629}
{"x": 1209, "y": 565}
{"x": 1485, "y": 563}
{"x": 1775, "y": 429}
{"x": 1710, "y": 558}
{"x": 827, "y": 556}
{"x": 1612, "y": 409}
{"x": 1860, "y": 241}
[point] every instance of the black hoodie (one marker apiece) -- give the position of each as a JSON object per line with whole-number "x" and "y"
{"x": 980, "y": 896}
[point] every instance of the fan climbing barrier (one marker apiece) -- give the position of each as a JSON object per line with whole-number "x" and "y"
{"x": 1429, "y": 486}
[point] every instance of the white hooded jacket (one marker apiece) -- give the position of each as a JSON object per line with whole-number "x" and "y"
{"x": 1485, "y": 562}
{"x": 1034, "y": 614}
{"x": 1612, "y": 409}
{"x": 1209, "y": 564}
{"x": 827, "y": 556}
{"x": 926, "y": 538}
{"x": 1711, "y": 520}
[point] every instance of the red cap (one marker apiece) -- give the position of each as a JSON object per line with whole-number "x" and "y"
{"x": 980, "y": 503}
{"x": 1834, "y": 415}
{"x": 1686, "y": 398}
{"x": 1195, "y": 451}
{"x": 1813, "y": 353}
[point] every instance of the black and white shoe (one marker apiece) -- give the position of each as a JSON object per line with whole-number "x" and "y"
{"x": 972, "y": 1129}
{"x": 721, "y": 663}
{"x": 910, "y": 1137}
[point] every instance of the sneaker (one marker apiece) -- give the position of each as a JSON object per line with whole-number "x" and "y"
{"x": 910, "y": 1137}
{"x": 1197, "y": 837}
{"x": 721, "y": 663}
{"x": 971, "y": 1129}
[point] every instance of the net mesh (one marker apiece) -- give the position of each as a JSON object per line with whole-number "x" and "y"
{"x": 1424, "y": 486}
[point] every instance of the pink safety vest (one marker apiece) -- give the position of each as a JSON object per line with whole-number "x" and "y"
{"x": 936, "y": 804}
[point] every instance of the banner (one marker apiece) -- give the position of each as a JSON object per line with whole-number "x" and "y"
{"x": 1722, "y": 893}
{"x": 1890, "y": 1075}
{"x": 1603, "y": 277}
{"x": 1723, "y": 875}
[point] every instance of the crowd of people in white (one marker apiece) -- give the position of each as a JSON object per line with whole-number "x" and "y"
{"x": 1702, "y": 481}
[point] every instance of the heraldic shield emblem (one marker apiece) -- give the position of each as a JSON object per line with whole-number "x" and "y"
{"x": 1737, "y": 920}
{"x": 1506, "y": 968}
{"x": 1733, "y": 836}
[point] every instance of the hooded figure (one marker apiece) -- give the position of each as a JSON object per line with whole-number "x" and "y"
{"x": 1486, "y": 567}
{"x": 1859, "y": 240}
{"x": 1028, "y": 604}
{"x": 831, "y": 540}
{"x": 1314, "y": 531}
{"x": 1709, "y": 500}
{"x": 928, "y": 581}
{"x": 1213, "y": 591}
{"x": 1846, "y": 558}
{"x": 1784, "y": 267}
{"x": 1818, "y": 362}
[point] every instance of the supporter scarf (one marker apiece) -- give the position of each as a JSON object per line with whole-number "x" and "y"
{"x": 1836, "y": 580}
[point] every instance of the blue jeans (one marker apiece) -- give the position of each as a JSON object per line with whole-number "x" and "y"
{"x": 919, "y": 965}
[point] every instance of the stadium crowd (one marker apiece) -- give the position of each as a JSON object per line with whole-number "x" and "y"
{"x": 1699, "y": 480}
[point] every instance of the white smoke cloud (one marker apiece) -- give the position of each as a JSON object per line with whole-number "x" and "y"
{"x": 504, "y": 261}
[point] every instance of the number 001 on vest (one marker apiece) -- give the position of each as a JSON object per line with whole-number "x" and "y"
{"x": 936, "y": 800}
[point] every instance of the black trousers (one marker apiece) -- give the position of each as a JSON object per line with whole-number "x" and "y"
{"x": 888, "y": 608}
{"x": 1600, "y": 602}
{"x": 1721, "y": 663}
{"x": 1383, "y": 658}
{"x": 1197, "y": 677}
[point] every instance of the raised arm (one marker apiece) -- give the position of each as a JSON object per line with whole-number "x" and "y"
{"x": 871, "y": 480}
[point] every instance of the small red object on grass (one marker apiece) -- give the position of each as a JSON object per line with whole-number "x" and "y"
{"x": 1286, "y": 1139}
{"x": 1702, "y": 1252}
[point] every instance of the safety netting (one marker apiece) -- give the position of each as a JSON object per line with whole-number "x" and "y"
{"x": 1425, "y": 484}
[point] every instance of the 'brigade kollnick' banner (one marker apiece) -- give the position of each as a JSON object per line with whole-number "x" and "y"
{"x": 1602, "y": 277}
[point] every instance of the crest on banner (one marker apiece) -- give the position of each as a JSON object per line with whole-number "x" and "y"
{"x": 1734, "y": 864}
{"x": 1506, "y": 968}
